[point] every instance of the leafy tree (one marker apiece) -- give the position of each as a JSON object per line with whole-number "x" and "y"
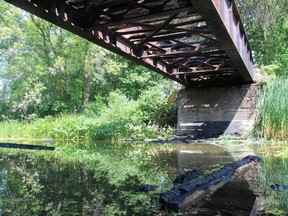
{"x": 46, "y": 70}
{"x": 266, "y": 25}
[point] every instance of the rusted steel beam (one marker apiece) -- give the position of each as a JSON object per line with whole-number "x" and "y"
{"x": 171, "y": 34}
{"x": 223, "y": 20}
{"x": 196, "y": 66}
{"x": 184, "y": 53}
{"x": 194, "y": 21}
{"x": 208, "y": 71}
{"x": 151, "y": 17}
{"x": 164, "y": 35}
{"x": 217, "y": 79}
{"x": 58, "y": 13}
{"x": 157, "y": 30}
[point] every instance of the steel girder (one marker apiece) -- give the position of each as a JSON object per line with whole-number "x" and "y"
{"x": 194, "y": 42}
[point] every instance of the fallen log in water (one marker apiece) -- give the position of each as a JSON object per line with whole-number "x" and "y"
{"x": 181, "y": 197}
{"x": 25, "y": 146}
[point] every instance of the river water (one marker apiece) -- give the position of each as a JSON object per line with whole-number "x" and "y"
{"x": 127, "y": 178}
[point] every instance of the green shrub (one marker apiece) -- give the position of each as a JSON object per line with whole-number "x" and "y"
{"x": 120, "y": 118}
{"x": 153, "y": 106}
{"x": 73, "y": 127}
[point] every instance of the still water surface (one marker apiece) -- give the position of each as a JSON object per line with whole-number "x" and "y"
{"x": 116, "y": 178}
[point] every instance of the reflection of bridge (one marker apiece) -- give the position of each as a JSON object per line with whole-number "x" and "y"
{"x": 194, "y": 42}
{"x": 236, "y": 197}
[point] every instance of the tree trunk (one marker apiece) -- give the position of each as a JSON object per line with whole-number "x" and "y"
{"x": 86, "y": 83}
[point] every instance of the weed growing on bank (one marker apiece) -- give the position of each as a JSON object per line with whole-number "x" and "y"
{"x": 121, "y": 118}
{"x": 274, "y": 109}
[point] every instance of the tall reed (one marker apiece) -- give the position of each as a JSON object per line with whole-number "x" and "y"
{"x": 13, "y": 129}
{"x": 274, "y": 109}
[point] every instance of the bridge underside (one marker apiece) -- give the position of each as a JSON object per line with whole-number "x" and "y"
{"x": 194, "y": 42}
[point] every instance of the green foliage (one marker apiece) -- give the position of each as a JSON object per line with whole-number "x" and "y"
{"x": 271, "y": 69}
{"x": 49, "y": 76}
{"x": 13, "y": 129}
{"x": 274, "y": 109}
{"x": 46, "y": 70}
{"x": 266, "y": 26}
{"x": 98, "y": 180}
{"x": 120, "y": 118}
{"x": 152, "y": 130}
{"x": 73, "y": 127}
{"x": 152, "y": 105}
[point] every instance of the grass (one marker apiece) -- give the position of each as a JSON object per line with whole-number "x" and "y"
{"x": 119, "y": 119}
{"x": 83, "y": 128}
{"x": 274, "y": 109}
{"x": 12, "y": 129}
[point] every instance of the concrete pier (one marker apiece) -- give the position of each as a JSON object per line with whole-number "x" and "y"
{"x": 210, "y": 112}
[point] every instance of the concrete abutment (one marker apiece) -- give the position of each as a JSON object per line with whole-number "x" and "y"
{"x": 210, "y": 112}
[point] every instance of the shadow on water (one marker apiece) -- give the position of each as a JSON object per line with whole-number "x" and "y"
{"x": 108, "y": 179}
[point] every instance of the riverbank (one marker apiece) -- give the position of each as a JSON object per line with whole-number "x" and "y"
{"x": 75, "y": 127}
{"x": 125, "y": 120}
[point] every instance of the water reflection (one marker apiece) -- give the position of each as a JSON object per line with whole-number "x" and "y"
{"x": 273, "y": 171}
{"x": 108, "y": 179}
{"x": 235, "y": 198}
{"x": 201, "y": 157}
{"x": 75, "y": 180}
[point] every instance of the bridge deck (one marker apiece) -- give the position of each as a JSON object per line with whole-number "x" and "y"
{"x": 194, "y": 42}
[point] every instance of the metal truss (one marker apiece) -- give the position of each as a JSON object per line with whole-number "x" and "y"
{"x": 194, "y": 42}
